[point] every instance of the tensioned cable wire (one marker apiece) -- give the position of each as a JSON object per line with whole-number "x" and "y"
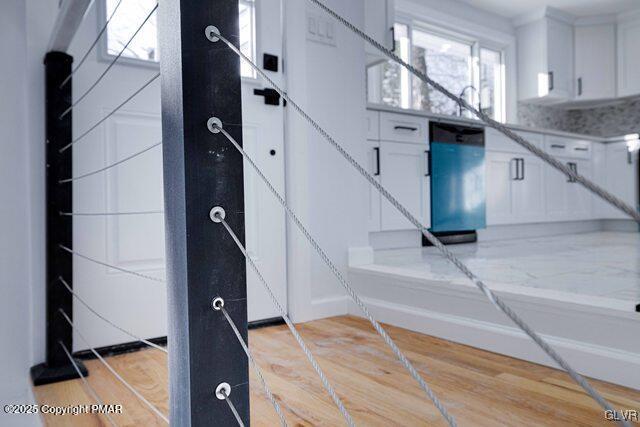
{"x": 87, "y": 386}
{"x": 103, "y": 318}
{"x": 111, "y": 113}
{"x": 111, "y": 64}
{"x": 497, "y": 302}
{"x": 113, "y": 371}
{"x": 254, "y": 365}
{"x": 119, "y": 162}
{"x": 354, "y": 296}
{"x": 325, "y": 382}
{"x": 134, "y": 273}
{"x": 95, "y": 42}
{"x": 110, "y": 213}
{"x": 232, "y": 407}
{"x": 551, "y": 160}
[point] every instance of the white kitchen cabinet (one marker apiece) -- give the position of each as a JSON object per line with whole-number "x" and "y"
{"x": 373, "y": 200}
{"x": 622, "y": 177}
{"x": 595, "y": 62}
{"x": 379, "y": 18}
{"x": 529, "y": 195}
{"x": 501, "y": 175}
{"x": 556, "y": 189}
{"x": 545, "y": 60}
{"x": 404, "y": 172}
{"x": 372, "y": 119}
{"x": 515, "y": 188}
{"x": 599, "y": 173}
{"x": 629, "y": 56}
{"x": 579, "y": 199}
{"x": 568, "y": 200}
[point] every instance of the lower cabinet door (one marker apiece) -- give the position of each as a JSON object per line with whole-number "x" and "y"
{"x": 501, "y": 175}
{"x": 579, "y": 199}
{"x": 529, "y": 190}
{"x": 621, "y": 178}
{"x": 404, "y": 172}
{"x": 557, "y": 188}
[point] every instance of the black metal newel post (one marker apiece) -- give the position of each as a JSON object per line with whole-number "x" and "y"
{"x": 59, "y": 198}
{"x": 201, "y": 80}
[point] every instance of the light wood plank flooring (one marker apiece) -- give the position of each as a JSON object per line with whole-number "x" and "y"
{"x": 479, "y": 388}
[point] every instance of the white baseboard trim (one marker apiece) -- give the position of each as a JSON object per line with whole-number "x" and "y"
{"x": 604, "y": 363}
{"x": 329, "y": 307}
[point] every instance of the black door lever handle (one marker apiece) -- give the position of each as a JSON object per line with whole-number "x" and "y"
{"x": 271, "y": 96}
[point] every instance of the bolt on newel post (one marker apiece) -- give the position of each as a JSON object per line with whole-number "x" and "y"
{"x": 201, "y": 79}
{"x": 59, "y": 229}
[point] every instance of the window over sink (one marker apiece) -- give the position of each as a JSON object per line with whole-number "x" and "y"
{"x": 465, "y": 66}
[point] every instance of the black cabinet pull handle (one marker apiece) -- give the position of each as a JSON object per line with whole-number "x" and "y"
{"x": 393, "y": 38}
{"x": 579, "y": 86}
{"x": 522, "y": 169}
{"x": 550, "y": 81}
{"x": 557, "y": 146}
{"x": 574, "y": 168}
{"x": 412, "y": 129}
{"x": 517, "y": 169}
{"x": 377, "y": 150}
{"x": 581, "y": 149}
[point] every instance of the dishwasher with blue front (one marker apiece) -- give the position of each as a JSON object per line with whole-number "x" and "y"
{"x": 457, "y": 181}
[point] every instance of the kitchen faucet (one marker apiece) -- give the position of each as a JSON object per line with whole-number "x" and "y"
{"x": 464, "y": 89}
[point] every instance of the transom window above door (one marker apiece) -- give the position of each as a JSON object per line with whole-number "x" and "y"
{"x": 464, "y": 66}
{"x": 143, "y": 49}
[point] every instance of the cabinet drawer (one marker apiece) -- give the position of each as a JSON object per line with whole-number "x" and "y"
{"x": 580, "y": 149}
{"x": 568, "y": 147}
{"x": 557, "y": 145}
{"x": 403, "y": 128}
{"x": 373, "y": 125}
{"x": 496, "y": 141}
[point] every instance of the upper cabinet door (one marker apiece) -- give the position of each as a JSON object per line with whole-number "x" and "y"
{"x": 560, "y": 59}
{"x": 379, "y": 17}
{"x": 629, "y": 57}
{"x": 545, "y": 61}
{"x": 595, "y": 62}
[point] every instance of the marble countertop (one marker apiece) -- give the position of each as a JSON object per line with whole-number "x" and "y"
{"x": 472, "y": 122}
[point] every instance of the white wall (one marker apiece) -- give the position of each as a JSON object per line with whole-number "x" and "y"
{"x": 40, "y": 17}
{"x": 14, "y": 208}
{"x": 329, "y": 195}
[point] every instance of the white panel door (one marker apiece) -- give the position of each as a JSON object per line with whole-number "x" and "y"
{"x": 529, "y": 190}
{"x": 263, "y": 135}
{"x": 404, "y": 173}
{"x": 136, "y": 242}
{"x": 501, "y": 174}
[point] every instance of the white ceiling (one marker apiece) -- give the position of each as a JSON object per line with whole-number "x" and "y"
{"x": 511, "y": 8}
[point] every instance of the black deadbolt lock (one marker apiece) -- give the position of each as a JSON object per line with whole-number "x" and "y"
{"x": 270, "y": 62}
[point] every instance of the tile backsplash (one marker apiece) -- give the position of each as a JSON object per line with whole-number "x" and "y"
{"x": 612, "y": 120}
